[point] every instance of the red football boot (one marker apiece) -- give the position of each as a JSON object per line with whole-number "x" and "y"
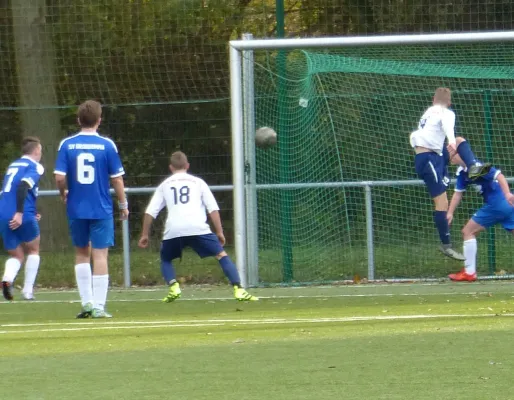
{"x": 463, "y": 276}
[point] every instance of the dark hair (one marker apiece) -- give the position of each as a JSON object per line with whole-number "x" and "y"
{"x": 89, "y": 113}
{"x": 29, "y": 144}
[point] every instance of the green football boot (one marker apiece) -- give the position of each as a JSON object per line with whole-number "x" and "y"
{"x": 173, "y": 294}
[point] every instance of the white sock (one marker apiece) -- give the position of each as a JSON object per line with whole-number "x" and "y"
{"x": 470, "y": 252}
{"x": 31, "y": 268}
{"x": 100, "y": 287}
{"x": 12, "y": 266}
{"x": 83, "y": 277}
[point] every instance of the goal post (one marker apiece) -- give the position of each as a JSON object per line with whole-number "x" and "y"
{"x": 337, "y": 196}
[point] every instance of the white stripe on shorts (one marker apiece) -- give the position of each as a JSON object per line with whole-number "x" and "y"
{"x": 433, "y": 170}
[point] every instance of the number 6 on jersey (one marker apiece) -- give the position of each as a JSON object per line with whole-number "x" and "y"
{"x": 85, "y": 172}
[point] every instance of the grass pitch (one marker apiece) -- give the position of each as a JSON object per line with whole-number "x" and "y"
{"x": 443, "y": 341}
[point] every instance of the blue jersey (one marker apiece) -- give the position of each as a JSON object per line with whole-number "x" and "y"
{"x": 26, "y": 170}
{"x": 487, "y": 186}
{"x": 89, "y": 161}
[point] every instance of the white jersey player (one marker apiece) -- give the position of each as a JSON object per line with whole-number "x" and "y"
{"x": 436, "y": 125}
{"x": 188, "y": 200}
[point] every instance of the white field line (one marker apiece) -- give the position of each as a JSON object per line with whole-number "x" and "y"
{"x": 261, "y": 297}
{"x": 61, "y": 327}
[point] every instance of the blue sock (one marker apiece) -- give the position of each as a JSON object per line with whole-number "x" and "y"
{"x": 442, "y": 226}
{"x": 168, "y": 272}
{"x": 466, "y": 154}
{"x": 230, "y": 270}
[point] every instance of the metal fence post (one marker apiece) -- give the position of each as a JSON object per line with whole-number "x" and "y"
{"x": 369, "y": 231}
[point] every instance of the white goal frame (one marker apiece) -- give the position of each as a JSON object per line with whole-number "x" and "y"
{"x": 243, "y": 125}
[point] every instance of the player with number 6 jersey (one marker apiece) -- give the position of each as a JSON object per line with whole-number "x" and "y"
{"x": 19, "y": 226}
{"x": 188, "y": 200}
{"x": 87, "y": 164}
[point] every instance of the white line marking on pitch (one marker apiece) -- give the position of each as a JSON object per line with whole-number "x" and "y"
{"x": 235, "y": 322}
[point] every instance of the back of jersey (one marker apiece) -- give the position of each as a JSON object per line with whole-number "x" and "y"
{"x": 26, "y": 170}
{"x": 187, "y": 199}
{"x": 89, "y": 161}
{"x": 433, "y": 127}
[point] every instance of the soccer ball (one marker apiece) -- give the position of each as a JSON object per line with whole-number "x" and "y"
{"x": 265, "y": 137}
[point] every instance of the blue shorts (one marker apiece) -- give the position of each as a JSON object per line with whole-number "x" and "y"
{"x": 100, "y": 232}
{"x": 204, "y": 245}
{"x": 433, "y": 170}
{"x": 502, "y": 213}
{"x": 27, "y": 232}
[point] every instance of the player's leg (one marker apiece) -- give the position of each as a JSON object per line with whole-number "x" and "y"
{"x": 79, "y": 230}
{"x": 13, "y": 264}
{"x": 475, "y": 168}
{"x": 170, "y": 250}
{"x": 469, "y": 234}
{"x": 102, "y": 237}
{"x": 209, "y": 245}
{"x": 31, "y": 239}
{"x": 431, "y": 168}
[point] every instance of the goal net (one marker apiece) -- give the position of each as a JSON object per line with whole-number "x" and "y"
{"x": 343, "y": 118}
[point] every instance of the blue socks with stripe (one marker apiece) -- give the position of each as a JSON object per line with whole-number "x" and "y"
{"x": 442, "y": 226}
{"x": 467, "y": 155}
{"x": 168, "y": 272}
{"x": 230, "y": 270}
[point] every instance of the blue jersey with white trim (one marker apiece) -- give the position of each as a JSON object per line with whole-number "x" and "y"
{"x": 26, "y": 170}
{"x": 487, "y": 186}
{"x": 89, "y": 161}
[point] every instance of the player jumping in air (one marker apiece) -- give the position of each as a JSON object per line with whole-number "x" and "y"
{"x": 432, "y": 157}
{"x": 187, "y": 199}
{"x": 498, "y": 209}
{"x": 86, "y": 164}
{"x": 19, "y": 219}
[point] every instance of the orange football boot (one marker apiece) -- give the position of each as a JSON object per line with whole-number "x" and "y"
{"x": 463, "y": 276}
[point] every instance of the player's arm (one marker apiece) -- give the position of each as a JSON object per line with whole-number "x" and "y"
{"x": 60, "y": 171}
{"x": 116, "y": 172}
{"x": 155, "y": 206}
{"x": 448, "y": 124}
{"x": 504, "y": 185}
{"x": 212, "y": 208}
{"x": 30, "y": 180}
{"x": 460, "y": 188}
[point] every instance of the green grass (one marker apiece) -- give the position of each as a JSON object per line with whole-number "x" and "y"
{"x": 440, "y": 341}
{"x": 329, "y": 263}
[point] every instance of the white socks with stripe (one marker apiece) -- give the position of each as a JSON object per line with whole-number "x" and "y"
{"x": 12, "y": 267}
{"x": 470, "y": 252}
{"x": 83, "y": 277}
{"x": 31, "y": 269}
{"x": 100, "y": 287}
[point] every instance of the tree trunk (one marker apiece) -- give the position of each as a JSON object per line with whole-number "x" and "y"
{"x": 38, "y": 106}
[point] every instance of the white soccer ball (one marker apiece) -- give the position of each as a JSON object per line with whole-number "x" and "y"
{"x": 265, "y": 137}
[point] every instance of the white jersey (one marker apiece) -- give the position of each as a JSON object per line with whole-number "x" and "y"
{"x": 436, "y": 125}
{"x": 187, "y": 199}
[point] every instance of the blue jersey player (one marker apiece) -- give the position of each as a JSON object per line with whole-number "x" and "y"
{"x": 497, "y": 209}
{"x": 86, "y": 165}
{"x": 19, "y": 219}
{"x": 435, "y": 126}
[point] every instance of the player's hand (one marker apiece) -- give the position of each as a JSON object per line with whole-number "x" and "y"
{"x": 221, "y": 238}
{"x": 452, "y": 149}
{"x": 38, "y": 217}
{"x": 16, "y": 221}
{"x": 510, "y": 199}
{"x": 143, "y": 242}
{"x": 64, "y": 197}
{"x": 449, "y": 218}
{"x": 124, "y": 214}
